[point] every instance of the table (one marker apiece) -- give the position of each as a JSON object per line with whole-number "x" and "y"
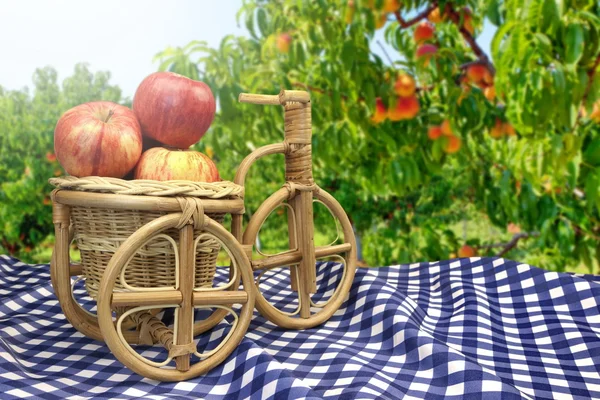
{"x": 459, "y": 329}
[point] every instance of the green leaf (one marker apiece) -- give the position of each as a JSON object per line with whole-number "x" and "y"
{"x": 591, "y": 191}
{"x": 534, "y": 12}
{"x": 594, "y": 19}
{"x": 550, "y": 17}
{"x": 594, "y": 93}
{"x": 545, "y": 44}
{"x": 348, "y": 53}
{"x": 164, "y": 65}
{"x": 591, "y": 46}
{"x": 261, "y": 18}
{"x": 560, "y": 7}
{"x": 336, "y": 100}
{"x": 566, "y": 238}
{"x": 493, "y": 12}
{"x": 196, "y": 46}
{"x": 499, "y": 37}
{"x": 591, "y": 154}
{"x": 300, "y": 56}
{"x": 573, "y": 42}
{"x": 250, "y": 24}
{"x": 369, "y": 94}
{"x": 583, "y": 249}
{"x": 560, "y": 83}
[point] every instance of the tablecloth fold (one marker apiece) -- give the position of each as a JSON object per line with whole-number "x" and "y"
{"x": 459, "y": 329}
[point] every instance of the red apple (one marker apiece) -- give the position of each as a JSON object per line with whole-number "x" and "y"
{"x": 163, "y": 164}
{"x": 98, "y": 139}
{"x": 174, "y": 110}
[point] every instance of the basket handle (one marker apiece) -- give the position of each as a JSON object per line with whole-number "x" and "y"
{"x": 282, "y": 98}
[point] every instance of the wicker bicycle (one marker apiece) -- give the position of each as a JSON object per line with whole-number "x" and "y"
{"x": 148, "y": 246}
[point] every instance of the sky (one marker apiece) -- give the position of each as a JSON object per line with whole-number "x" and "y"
{"x": 119, "y": 36}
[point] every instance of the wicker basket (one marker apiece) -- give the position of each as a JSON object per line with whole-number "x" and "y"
{"x": 99, "y": 231}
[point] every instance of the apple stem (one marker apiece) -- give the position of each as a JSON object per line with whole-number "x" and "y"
{"x": 110, "y": 114}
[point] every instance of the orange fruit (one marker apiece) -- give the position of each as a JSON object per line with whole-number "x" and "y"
{"x": 446, "y": 128}
{"x": 467, "y": 251}
{"x": 380, "y": 112}
{"x": 453, "y": 144}
{"x": 406, "y": 108}
{"x": 283, "y": 42}
{"x": 497, "y": 131}
{"x": 405, "y": 85}
{"x": 434, "y": 132}
{"x": 435, "y": 16}
{"x": 424, "y": 32}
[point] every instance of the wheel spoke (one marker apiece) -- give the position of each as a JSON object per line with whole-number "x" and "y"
{"x": 184, "y": 316}
{"x": 279, "y": 260}
{"x": 300, "y": 259}
{"x": 75, "y": 269}
{"x": 179, "y": 338}
{"x": 327, "y": 251}
{"x": 145, "y": 298}
{"x": 304, "y": 291}
{"x": 224, "y": 297}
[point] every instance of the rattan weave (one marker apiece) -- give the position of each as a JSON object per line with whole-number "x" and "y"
{"x": 213, "y": 190}
{"x": 100, "y": 231}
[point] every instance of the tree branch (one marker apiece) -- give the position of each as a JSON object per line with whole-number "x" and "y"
{"x": 385, "y": 52}
{"x": 591, "y": 73}
{"x": 420, "y": 16}
{"x": 455, "y": 17}
{"x": 468, "y": 64}
{"x": 578, "y": 229}
{"x": 314, "y": 89}
{"x": 506, "y": 247}
{"x": 11, "y": 248}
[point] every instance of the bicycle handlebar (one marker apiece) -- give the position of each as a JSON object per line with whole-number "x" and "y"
{"x": 281, "y": 99}
{"x": 259, "y": 99}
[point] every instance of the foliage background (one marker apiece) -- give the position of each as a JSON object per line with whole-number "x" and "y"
{"x": 27, "y": 121}
{"x": 408, "y": 199}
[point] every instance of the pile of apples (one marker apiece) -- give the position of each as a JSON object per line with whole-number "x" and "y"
{"x": 170, "y": 113}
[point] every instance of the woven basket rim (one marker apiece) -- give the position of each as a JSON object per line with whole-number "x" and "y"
{"x": 98, "y": 184}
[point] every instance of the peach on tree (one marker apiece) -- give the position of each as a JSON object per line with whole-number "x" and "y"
{"x": 542, "y": 70}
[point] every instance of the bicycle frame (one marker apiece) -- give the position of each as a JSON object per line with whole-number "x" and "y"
{"x": 297, "y": 150}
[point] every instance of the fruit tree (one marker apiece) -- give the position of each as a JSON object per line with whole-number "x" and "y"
{"x": 27, "y": 159}
{"x": 414, "y": 143}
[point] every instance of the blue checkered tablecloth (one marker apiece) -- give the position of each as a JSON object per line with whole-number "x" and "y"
{"x": 460, "y": 329}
